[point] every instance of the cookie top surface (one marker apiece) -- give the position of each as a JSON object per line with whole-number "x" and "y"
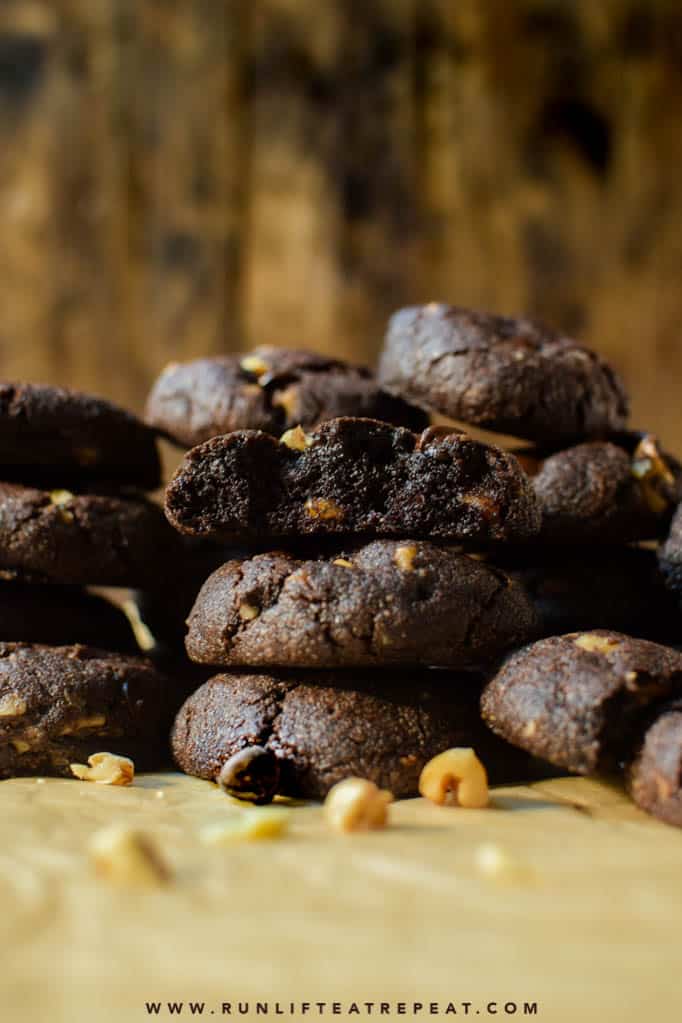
{"x": 269, "y": 389}
{"x": 352, "y": 477}
{"x": 670, "y": 555}
{"x": 510, "y": 375}
{"x": 85, "y": 539}
{"x": 654, "y": 779}
{"x": 59, "y": 435}
{"x": 601, "y": 492}
{"x": 322, "y": 728}
{"x": 389, "y": 602}
{"x": 576, "y": 700}
{"x": 60, "y": 704}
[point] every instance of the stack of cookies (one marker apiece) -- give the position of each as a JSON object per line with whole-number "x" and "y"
{"x": 381, "y": 568}
{"x": 352, "y": 624}
{"x": 73, "y": 515}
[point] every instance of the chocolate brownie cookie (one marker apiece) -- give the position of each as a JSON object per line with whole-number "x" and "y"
{"x": 62, "y": 435}
{"x": 603, "y": 492}
{"x": 59, "y": 705}
{"x": 670, "y": 555}
{"x": 654, "y": 779}
{"x": 60, "y": 615}
{"x": 390, "y": 602}
{"x": 605, "y": 587}
{"x": 352, "y": 476}
{"x": 577, "y": 700}
{"x": 510, "y": 375}
{"x": 306, "y": 732}
{"x": 83, "y": 538}
{"x": 270, "y": 389}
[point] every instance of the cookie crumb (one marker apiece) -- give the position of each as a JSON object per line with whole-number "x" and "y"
{"x": 321, "y": 508}
{"x": 254, "y": 825}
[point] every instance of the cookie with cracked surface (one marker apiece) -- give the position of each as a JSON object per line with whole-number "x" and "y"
{"x": 654, "y": 778}
{"x": 57, "y": 615}
{"x": 58, "y": 435}
{"x": 595, "y": 587}
{"x": 269, "y": 389}
{"x": 389, "y": 602}
{"x": 603, "y": 492}
{"x": 64, "y": 537}
{"x": 514, "y": 376}
{"x": 352, "y": 477}
{"x": 307, "y": 731}
{"x": 578, "y": 700}
{"x": 59, "y": 705}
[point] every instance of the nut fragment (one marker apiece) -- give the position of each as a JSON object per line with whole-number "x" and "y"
{"x": 126, "y": 856}
{"x": 252, "y": 774}
{"x": 296, "y": 439}
{"x": 356, "y": 804}
{"x": 342, "y": 562}
{"x": 455, "y": 778}
{"x": 656, "y": 479}
{"x": 60, "y": 497}
{"x": 143, "y": 634}
{"x": 247, "y": 612}
{"x": 288, "y": 399}
{"x": 12, "y": 706}
{"x": 20, "y": 745}
{"x": 321, "y": 508}
{"x": 250, "y": 826}
{"x": 404, "y": 558}
{"x": 106, "y": 769}
{"x": 254, "y": 364}
{"x": 594, "y": 643}
{"x": 83, "y": 724}
{"x": 487, "y": 507}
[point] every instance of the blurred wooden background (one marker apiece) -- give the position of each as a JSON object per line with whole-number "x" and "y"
{"x": 187, "y": 176}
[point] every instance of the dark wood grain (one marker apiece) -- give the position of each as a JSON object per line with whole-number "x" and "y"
{"x": 186, "y": 176}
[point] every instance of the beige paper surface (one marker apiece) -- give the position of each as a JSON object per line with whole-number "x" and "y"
{"x": 587, "y": 923}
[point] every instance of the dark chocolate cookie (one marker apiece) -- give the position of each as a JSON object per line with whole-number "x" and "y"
{"x": 510, "y": 375}
{"x": 607, "y": 587}
{"x": 61, "y": 615}
{"x": 654, "y": 779}
{"x": 310, "y": 732}
{"x": 390, "y": 602}
{"x": 352, "y": 476}
{"x": 61, "y": 435}
{"x": 577, "y": 700}
{"x": 670, "y": 556}
{"x": 59, "y": 705}
{"x": 603, "y": 493}
{"x": 63, "y": 537}
{"x": 270, "y": 389}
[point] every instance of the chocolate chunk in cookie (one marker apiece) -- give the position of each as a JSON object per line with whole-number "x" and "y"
{"x": 577, "y": 700}
{"x": 64, "y": 537}
{"x": 606, "y": 493}
{"x": 389, "y": 602}
{"x": 352, "y": 476}
{"x": 60, "y": 615}
{"x": 654, "y": 779}
{"x": 55, "y": 435}
{"x": 595, "y": 587}
{"x": 59, "y": 705}
{"x": 510, "y": 375}
{"x": 321, "y": 728}
{"x": 270, "y": 389}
